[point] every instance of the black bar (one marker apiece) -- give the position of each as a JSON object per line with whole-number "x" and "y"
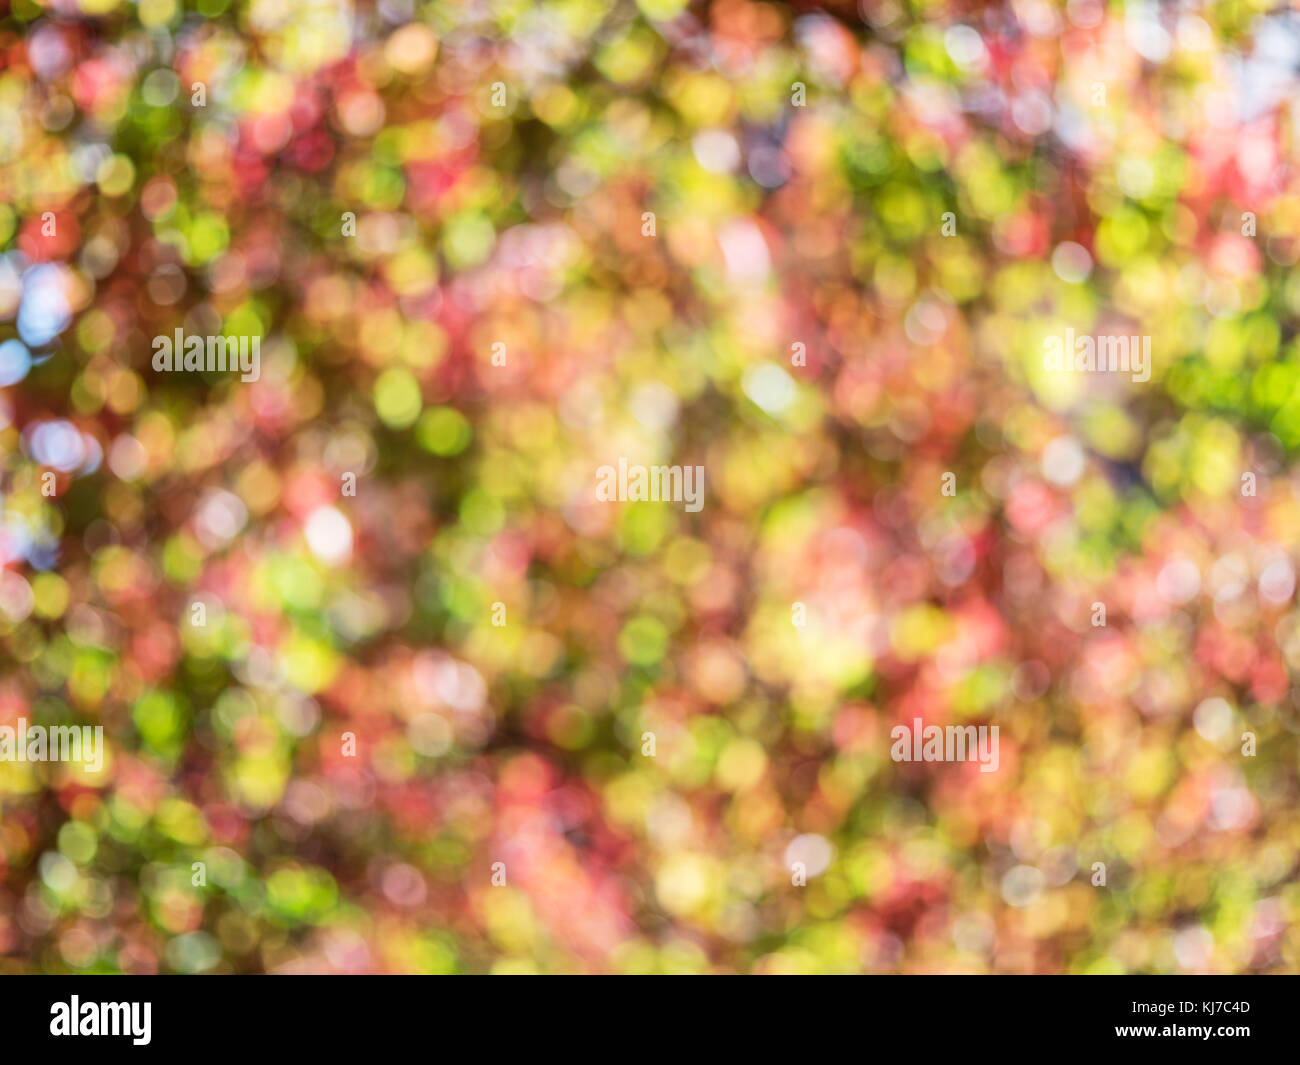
{"x": 342, "y": 1014}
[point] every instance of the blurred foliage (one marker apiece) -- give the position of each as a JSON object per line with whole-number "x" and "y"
{"x": 430, "y": 658}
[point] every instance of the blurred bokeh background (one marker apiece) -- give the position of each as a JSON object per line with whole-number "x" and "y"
{"x": 866, "y": 220}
